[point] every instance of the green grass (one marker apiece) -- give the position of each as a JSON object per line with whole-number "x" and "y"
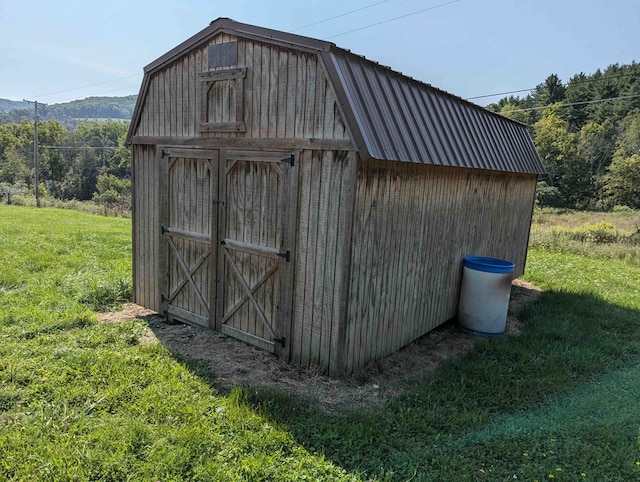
{"x": 603, "y": 235}
{"x": 81, "y": 400}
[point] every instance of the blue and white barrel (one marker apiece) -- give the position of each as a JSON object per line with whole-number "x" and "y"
{"x": 484, "y": 295}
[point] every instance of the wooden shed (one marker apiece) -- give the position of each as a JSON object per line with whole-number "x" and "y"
{"x": 299, "y": 197}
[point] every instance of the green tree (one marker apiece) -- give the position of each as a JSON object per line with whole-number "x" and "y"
{"x": 13, "y": 167}
{"x": 515, "y": 112}
{"x": 566, "y": 169}
{"x": 596, "y": 144}
{"x": 628, "y": 139}
{"x": 81, "y": 179}
{"x": 622, "y": 182}
{"x": 108, "y": 138}
{"x": 550, "y": 91}
{"x": 579, "y": 91}
{"x": 54, "y": 161}
{"x": 113, "y": 193}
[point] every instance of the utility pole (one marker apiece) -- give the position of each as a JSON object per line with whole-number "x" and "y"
{"x": 35, "y": 150}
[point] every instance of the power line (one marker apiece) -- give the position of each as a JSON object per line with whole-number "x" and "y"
{"x": 87, "y": 86}
{"x": 394, "y": 19}
{"x": 499, "y": 93}
{"x": 114, "y": 90}
{"x": 341, "y": 15}
{"x": 585, "y": 81}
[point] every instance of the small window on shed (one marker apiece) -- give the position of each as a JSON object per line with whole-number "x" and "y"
{"x": 221, "y": 106}
{"x": 223, "y": 55}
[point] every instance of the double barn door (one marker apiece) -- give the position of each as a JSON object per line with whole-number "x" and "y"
{"x": 226, "y": 224}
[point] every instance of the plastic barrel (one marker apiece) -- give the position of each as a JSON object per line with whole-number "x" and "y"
{"x": 484, "y": 295}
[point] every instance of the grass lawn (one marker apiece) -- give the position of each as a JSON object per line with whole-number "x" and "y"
{"x": 84, "y": 400}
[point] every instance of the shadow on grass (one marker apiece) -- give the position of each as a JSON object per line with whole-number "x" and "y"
{"x": 567, "y": 341}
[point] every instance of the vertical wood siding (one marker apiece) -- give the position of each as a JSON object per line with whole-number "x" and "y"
{"x": 190, "y": 210}
{"x": 146, "y": 227}
{"x": 286, "y": 94}
{"x": 254, "y": 194}
{"x": 412, "y": 227}
{"x": 325, "y": 205}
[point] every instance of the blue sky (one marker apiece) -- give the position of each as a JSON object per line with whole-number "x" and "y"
{"x": 55, "y": 51}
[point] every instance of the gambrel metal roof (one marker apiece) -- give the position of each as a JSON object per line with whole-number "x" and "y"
{"x": 391, "y": 116}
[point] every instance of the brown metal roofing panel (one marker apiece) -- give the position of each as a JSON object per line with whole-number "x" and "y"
{"x": 403, "y": 94}
{"x": 401, "y": 119}
{"x": 431, "y": 143}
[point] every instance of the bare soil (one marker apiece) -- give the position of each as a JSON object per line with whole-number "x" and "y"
{"x": 233, "y": 362}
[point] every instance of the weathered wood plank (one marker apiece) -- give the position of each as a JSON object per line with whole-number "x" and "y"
{"x": 252, "y": 248}
{"x": 302, "y": 234}
{"x": 248, "y": 338}
{"x": 309, "y": 98}
{"x": 188, "y": 235}
{"x": 300, "y": 97}
{"x": 187, "y": 316}
{"x": 344, "y": 243}
{"x": 246, "y": 143}
{"x": 388, "y": 236}
{"x": 254, "y": 64}
{"x": 272, "y": 96}
{"x": 217, "y": 127}
{"x": 281, "y": 59}
{"x": 266, "y": 98}
{"x": 308, "y": 320}
{"x": 290, "y": 218}
{"x": 323, "y": 265}
{"x": 290, "y": 114}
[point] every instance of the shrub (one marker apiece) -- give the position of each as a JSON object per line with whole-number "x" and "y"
{"x": 622, "y": 209}
{"x": 600, "y": 233}
{"x": 548, "y": 195}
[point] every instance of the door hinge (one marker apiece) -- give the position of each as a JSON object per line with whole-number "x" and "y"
{"x": 280, "y": 341}
{"x": 286, "y": 256}
{"x": 164, "y": 153}
{"x": 289, "y": 160}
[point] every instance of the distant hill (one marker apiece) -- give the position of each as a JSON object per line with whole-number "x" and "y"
{"x": 72, "y": 113}
{"x": 7, "y": 105}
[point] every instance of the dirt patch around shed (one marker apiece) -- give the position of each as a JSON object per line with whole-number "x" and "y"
{"x": 233, "y": 362}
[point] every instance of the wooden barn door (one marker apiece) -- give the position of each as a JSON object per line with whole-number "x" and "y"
{"x": 188, "y": 216}
{"x": 254, "y": 252}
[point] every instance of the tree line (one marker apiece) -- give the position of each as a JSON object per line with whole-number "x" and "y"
{"x": 88, "y": 163}
{"x": 587, "y": 133}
